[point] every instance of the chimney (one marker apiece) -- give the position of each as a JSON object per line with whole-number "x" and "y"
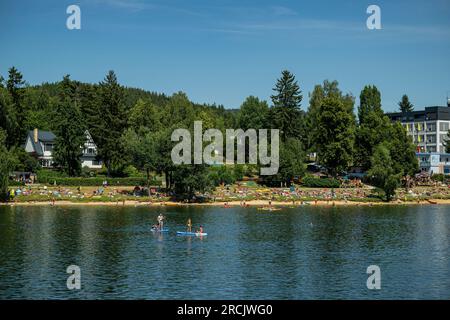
{"x": 35, "y": 135}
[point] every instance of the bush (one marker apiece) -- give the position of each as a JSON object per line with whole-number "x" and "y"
{"x": 438, "y": 177}
{"x": 14, "y": 183}
{"x": 87, "y": 172}
{"x": 131, "y": 171}
{"x": 224, "y": 174}
{"x": 312, "y": 182}
{"x": 45, "y": 174}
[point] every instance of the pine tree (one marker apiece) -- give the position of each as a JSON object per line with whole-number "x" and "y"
{"x": 69, "y": 130}
{"x": 110, "y": 122}
{"x": 286, "y": 112}
{"x": 14, "y": 85}
{"x": 405, "y": 105}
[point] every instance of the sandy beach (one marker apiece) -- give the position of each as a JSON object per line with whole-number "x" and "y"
{"x": 253, "y": 203}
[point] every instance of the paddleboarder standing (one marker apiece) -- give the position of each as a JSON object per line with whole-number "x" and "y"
{"x": 189, "y": 225}
{"x": 161, "y": 221}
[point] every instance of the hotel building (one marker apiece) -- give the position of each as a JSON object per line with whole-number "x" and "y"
{"x": 428, "y": 129}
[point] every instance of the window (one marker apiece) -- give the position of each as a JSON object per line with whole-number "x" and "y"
{"x": 431, "y": 127}
{"x": 444, "y": 126}
{"x": 431, "y": 138}
{"x": 48, "y": 147}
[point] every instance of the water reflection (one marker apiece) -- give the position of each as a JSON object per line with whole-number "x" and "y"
{"x": 300, "y": 253}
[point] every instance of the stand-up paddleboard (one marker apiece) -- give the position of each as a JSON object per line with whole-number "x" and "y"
{"x": 160, "y": 230}
{"x": 269, "y": 209}
{"x": 194, "y": 234}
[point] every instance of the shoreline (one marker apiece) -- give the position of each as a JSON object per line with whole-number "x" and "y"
{"x": 252, "y": 203}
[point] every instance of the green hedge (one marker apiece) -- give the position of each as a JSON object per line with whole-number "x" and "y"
{"x": 312, "y": 182}
{"x": 13, "y": 183}
{"x": 440, "y": 177}
{"x": 97, "y": 181}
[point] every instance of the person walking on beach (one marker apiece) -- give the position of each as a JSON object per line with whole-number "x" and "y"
{"x": 189, "y": 225}
{"x": 160, "y": 221}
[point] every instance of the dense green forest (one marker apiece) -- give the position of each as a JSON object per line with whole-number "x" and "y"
{"x": 132, "y": 129}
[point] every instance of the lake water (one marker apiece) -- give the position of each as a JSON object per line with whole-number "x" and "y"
{"x": 299, "y": 253}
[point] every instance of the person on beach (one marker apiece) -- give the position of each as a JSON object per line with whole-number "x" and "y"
{"x": 160, "y": 221}
{"x": 189, "y": 225}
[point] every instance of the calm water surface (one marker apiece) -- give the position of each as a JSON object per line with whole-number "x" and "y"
{"x": 301, "y": 253}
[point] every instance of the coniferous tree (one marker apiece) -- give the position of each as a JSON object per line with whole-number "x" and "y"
{"x": 15, "y": 86}
{"x": 109, "y": 122}
{"x": 5, "y": 167}
{"x": 405, "y": 105}
{"x": 69, "y": 130}
{"x": 286, "y": 113}
{"x": 7, "y": 118}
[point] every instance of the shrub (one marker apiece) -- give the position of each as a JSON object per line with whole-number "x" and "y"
{"x": 14, "y": 183}
{"x": 312, "y": 182}
{"x": 131, "y": 171}
{"x": 438, "y": 177}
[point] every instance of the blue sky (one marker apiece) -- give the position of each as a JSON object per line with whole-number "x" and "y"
{"x": 224, "y": 50}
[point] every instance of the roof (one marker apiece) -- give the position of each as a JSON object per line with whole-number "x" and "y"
{"x": 43, "y": 136}
{"x": 428, "y": 114}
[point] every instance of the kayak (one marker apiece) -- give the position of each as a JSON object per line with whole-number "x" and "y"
{"x": 158, "y": 230}
{"x": 196, "y": 234}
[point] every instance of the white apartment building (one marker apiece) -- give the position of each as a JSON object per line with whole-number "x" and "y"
{"x": 428, "y": 128}
{"x": 429, "y": 132}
